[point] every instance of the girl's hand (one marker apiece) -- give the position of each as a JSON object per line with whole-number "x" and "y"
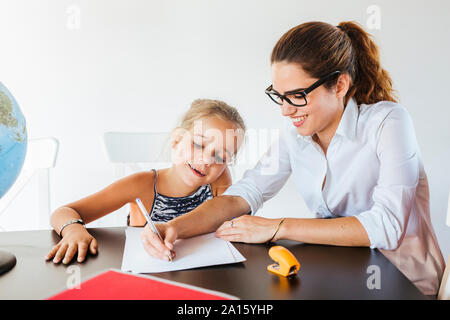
{"x": 249, "y": 229}
{"x": 75, "y": 239}
{"x": 154, "y": 246}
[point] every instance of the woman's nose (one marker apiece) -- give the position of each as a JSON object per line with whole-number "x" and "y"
{"x": 287, "y": 109}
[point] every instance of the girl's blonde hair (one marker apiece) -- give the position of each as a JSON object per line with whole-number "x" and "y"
{"x": 201, "y": 108}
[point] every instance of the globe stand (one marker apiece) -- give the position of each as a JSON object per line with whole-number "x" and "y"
{"x": 13, "y": 157}
{"x": 7, "y": 261}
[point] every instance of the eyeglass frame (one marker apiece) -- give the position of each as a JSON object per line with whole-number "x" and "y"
{"x": 303, "y": 92}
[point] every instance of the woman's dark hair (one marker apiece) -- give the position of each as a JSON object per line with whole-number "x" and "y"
{"x": 320, "y": 48}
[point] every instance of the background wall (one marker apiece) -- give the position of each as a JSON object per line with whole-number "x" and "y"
{"x": 79, "y": 68}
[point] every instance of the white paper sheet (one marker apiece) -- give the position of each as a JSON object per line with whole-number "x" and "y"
{"x": 200, "y": 251}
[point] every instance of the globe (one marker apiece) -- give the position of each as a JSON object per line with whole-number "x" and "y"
{"x": 13, "y": 148}
{"x": 13, "y": 140}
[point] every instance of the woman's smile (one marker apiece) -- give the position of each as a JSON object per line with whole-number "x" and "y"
{"x": 299, "y": 120}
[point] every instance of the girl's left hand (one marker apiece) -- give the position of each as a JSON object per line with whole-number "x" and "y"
{"x": 249, "y": 229}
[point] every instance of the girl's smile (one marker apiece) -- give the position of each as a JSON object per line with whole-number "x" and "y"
{"x": 197, "y": 172}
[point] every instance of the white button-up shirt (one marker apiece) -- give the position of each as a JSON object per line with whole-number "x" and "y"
{"x": 373, "y": 171}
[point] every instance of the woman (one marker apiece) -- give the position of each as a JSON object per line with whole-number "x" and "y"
{"x": 351, "y": 150}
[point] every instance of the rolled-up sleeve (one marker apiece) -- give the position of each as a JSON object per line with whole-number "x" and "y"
{"x": 394, "y": 194}
{"x": 267, "y": 178}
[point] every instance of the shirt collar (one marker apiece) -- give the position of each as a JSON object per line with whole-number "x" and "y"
{"x": 347, "y": 125}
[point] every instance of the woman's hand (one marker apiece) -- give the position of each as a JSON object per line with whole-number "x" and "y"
{"x": 249, "y": 229}
{"x": 154, "y": 246}
{"x": 75, "y": 239}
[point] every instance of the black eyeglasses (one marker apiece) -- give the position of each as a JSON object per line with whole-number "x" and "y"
{"x": 297, "y": 97}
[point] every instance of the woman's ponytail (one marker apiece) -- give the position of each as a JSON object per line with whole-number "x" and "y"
{"x": 371, "y": 82}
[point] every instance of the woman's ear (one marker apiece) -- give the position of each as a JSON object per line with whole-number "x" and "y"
{"x": 342, "y": 85}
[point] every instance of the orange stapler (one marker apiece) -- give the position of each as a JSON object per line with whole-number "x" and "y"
{"x": 285, "y": 262}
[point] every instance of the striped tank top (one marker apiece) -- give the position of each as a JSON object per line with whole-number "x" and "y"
{"x": 166, "y": 208}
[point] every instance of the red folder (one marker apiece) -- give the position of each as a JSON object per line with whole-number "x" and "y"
{"x": 117, "y": 285}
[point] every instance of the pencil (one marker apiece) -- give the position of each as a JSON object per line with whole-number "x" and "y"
{"x": 149, "y": 220}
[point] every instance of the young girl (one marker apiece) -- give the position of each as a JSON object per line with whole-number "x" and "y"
{"x": 202, "y": 146}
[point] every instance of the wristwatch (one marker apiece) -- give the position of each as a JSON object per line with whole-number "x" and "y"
{"x": 69, "y": 223}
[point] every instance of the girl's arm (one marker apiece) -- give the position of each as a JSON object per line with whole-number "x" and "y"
{"x": 105, "y": 201}
{"x": 76, "y": 239}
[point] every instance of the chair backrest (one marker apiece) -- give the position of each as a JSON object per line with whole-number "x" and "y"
{"x": 41, "y": 153}
{"x": 135, "y": 147}
{"x": 448, "y": 210}
{"x": 444, "y": 289}
{"x": 134, "y": 151}
{"x": 40, "y": 158}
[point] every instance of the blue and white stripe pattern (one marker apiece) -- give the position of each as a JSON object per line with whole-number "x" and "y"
{"x": 166, "y": 208}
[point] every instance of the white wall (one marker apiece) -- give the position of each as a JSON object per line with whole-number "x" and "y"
{"x": 136, "y": 65}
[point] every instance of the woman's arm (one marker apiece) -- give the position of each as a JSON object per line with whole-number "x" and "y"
{"x": 200, "y": 220}
{"x": 209, "y": 216}
{"x": 205, "y": 218}
{"x": 346, "y": 231}
{"x": 395, "y": 192}
{"x": 258, "y": 185}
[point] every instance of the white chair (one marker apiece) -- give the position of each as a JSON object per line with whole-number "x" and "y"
{"x": 39, "y": 160}
{"x": 131, "y": 152}
{"x": 255, "y": 144}
{"x": 444, "y": 289}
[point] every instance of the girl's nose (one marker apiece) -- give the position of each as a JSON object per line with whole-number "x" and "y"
{"x": 207, "y": 160}
{"x": 207, "y": 157}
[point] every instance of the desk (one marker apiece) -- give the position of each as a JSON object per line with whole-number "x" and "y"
{"x": 326, "y": 272}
